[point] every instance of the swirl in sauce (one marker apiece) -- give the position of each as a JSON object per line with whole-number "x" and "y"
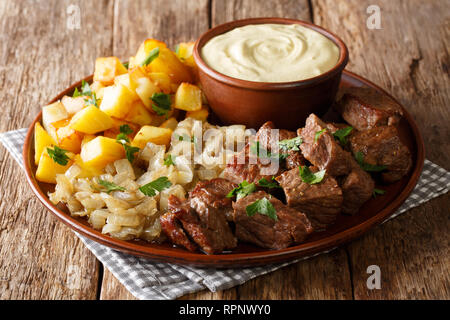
{"x": 271, "y": 53}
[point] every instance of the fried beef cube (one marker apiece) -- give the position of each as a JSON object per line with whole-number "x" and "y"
{"x": 212, "y": 195}
{"x": 321, "y": 202}
{"x": 171, "y": 225}
{"x": 291, "y": 226}
{"x": 321, "y": 149}
{"x": 357, "y": 187}
{"x": 382, "y": 146}
{"x": 365, "y": 108}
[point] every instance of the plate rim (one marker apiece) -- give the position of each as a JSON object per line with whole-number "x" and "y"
{"x": 247, "y": 259}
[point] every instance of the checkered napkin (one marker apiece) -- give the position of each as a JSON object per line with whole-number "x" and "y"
{"x": 146, "y": 279}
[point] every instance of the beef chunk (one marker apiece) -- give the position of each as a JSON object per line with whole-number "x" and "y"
{"x": 211, "y": 195}
{"x": 202, "y": 218}
{"x": 268, "y": 138}
{"x": 321, "y": 202}
{"x": 365, "y": 108}
{"x": 291, "y": 226}
{"x": 357, "y": 188}
{"x": 382, "y": 146}
{"x": 171, "y": 226}
{"x": 323, "y": 151}
{"x": 294, "y": 160}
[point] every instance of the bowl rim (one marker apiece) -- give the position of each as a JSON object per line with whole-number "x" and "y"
{"x": 259, "y": 85}
{"x": 248, "y": 259}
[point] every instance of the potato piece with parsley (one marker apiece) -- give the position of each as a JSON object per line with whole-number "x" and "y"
{"x": 156, "y": 135}
{"x": 107, "y": 68}
{"x": 101, "y": 151}
{"x": 69, "y": 139}
{"x": 52, "y": 114}
{"x": 91, "y": 120}
{"x": 42, "y": 140}
{"x": 143, "y": 87}
{"x": 145, "y": 49}
{"x": 188, "y": 97}
{"x": 139, "y": 114}
{"x": 167, "y": 62}
{"x": 48, "y": 168}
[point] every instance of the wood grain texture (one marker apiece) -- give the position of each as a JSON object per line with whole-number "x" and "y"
{"x": 39, "y": 257}
{"x": 412, "y": 250}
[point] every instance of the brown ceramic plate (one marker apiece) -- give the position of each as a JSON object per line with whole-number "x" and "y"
{"x": 344, "y": 230}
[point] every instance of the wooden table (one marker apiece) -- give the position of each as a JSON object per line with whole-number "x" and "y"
{"x": 42, "y": 52}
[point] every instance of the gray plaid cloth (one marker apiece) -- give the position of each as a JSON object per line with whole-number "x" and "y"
{"x": 146, "y": 279}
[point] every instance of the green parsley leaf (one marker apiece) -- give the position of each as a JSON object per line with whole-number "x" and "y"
{"x": 359, "y": 156}
{"x": 126, "y": 65}
{"x": 310, "y": 177}
{"x": 122, "y": 138}
{"x": 378, "y": 192}
{"x": 76, "y": 93}
{"x": 161, "y": 103}
{"x": 170, "y": 160}
{"x": 318, "y": 134}
{"x": 125, "y": 128}
{"x": 110, "y": 187}
{"x": 157, "y": 185}
{"x": 262, "y": 206}
{"x": 265, "y": 154}
{"x": 341, "y": 135}
{"x": 130, "y": 151}
{"x": 152, "y": 55}
{"x": 86, "y": 89}
{"x": 242, "y": 190}
{"x": 58, "y": 155}
{"x": 92, "y": 100}
{"x": 268, "y": 184}
{"x": 291, "y": 144}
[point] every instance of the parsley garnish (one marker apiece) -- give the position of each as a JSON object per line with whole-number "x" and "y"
{"x": 262, "y": 206}
{"x": 359, "y": 156}
{"x": 92, "y": 100}
{"x": 310, "y": 177}
{"x": 157, "y": 185}
{"x": 152, "y": 55}
{"x": 268, "y": 184}
{"x": 170, "y": 160}
{"x": 265, "y": 154}
{"x": 186, "y": 137}
{"x": 318, "y": 134}
{"x": 126, "y": 65}
{"x": 161, "y": 103}
{"x": 291, "y": 144}
{"x": 76, "y": 93}
{"x": 242, "y": 190}
{"x": 123, "y": 139}
{"x": 110, "y": 187}
{"x": 341, "y": 135}
{"x": 58, "y": 155}
{"x": 378, "y": 192}
{"x": 85, "y": 89}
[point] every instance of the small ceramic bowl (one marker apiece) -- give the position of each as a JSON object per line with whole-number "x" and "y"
{"x": 287, "y": 104}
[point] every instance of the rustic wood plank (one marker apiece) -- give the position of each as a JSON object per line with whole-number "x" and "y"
{"x": 168, "y": 21}
{"x": 302, "y": 280}
{"x": 40, "y": 257}
{"x": 408, "y": 56}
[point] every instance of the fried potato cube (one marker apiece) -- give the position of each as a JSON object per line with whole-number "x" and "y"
{"x": 184, "y": 53}
{"x": 201, "y": 114}
{"x": 161, "y": 80}
{"x": 188, "y": 97}
{"x": 170, "y": 123}
{"x": 144, "y": 49}
{"x": 117, "y": 101}
{"x": 156, "y": 135}
{"x": 87, "y": 138}
{"x": 139, "y": 114}
{"x": 115, "y": 129}
{"x": 101, "y": 151}
{"x": 42, "y": 140}
{"x": 48, "y": 169}
{"x": 52, "y": 114}
{"x": 107, "y": 68}
{"x": 69, "y": 139}
{"x": 167, "y": 62}
{"x": 91, "y": 120}
{"x": 87, "y": 171}
{"x": 143, "y": 86}
{"x": 124, "y": 79}
{"x": 73, "y": 105}
{"x": 98, "y": 88}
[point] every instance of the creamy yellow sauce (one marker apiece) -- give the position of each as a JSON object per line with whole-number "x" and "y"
{"x": 271, "y": 53}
